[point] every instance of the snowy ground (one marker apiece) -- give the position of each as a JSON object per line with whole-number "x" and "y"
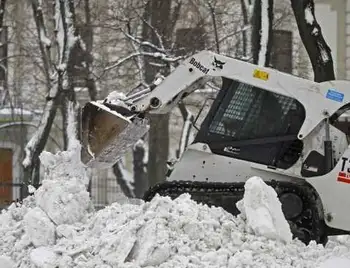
{"x": 57, "y": 227}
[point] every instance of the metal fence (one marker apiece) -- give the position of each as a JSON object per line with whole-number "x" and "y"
{"x": 11, "y": 193}
{"x": 103, "y": 190}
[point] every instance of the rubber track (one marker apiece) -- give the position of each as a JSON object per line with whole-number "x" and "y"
{"x": 226, "y": 195}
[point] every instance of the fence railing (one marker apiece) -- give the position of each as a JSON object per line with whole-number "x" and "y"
{"x": 103, "y": 191}
{"x": 11, "y": 193}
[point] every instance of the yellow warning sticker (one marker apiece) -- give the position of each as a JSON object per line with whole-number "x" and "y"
{"x": 260, "y": 74}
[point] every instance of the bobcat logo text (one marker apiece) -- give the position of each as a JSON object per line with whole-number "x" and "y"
{"x": 199, "y": 66}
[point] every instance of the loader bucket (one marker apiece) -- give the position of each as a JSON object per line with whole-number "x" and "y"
{"x": 107, "y": 134}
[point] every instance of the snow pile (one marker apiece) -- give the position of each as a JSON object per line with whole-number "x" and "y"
{"x": 6, "y": 262}
{"x": 62, "y": 199}
{"x": 336, "y": 262}
{"x": 56, "y": 227}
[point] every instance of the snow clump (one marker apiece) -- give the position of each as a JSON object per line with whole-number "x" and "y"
{"x": 263, "y": 211}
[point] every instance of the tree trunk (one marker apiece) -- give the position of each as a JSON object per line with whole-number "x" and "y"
{"x": 42, "y": 35}
{"x": 157, "y": 31}
{"x": 158, "y": 148}
{"x": 67, "y": 14}
{"x": 244, "y": 32}
{"x": 67, "y": 98}
{"x": 215, "y": 28}
{"x": 37, "y": 143}
{"x": 118, "y": 172}
{"x": 66, "y": 103}
{"x": 262, "y": 31}
{"x": 90, "y": 82}
{"x": 140, "y": 169}
{"x": 311, "y": 35}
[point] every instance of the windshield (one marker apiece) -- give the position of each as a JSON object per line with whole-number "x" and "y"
{"x": 261, "y": 125}
{"x": 248, "y": 112}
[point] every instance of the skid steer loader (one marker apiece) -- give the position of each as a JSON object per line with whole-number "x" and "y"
{"x": 262, "y": 122}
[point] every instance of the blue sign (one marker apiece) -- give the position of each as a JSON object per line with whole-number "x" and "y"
{"x": 335, "y": 95}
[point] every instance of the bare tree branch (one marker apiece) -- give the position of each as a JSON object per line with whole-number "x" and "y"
{"x": 91, "y": 84}
{"x": 143, "y": 43}
{"x": 44, "y": 46}
{"x": 155, "y": 55}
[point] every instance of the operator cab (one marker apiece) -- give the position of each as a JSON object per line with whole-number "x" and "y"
{"x": 253, "y": 124}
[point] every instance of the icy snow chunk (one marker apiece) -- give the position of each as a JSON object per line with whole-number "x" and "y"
{"x": 43, "y": 257}
{"x": 152, "y": 247}
{"x": 6, "y": 262}
{"x": 38, "y": 227}
{"x": 64, "y": 165}
{"x": 116, "y": 98}
{"x": 243, "y": 258}
{"x": 263, "y": 211}
{"x": 68, "y": 231}
{"x": 336, "y": 262}
{"x": 63, "y": 194}
{"x": 31, "y": 189}
{"x": 64, "y": 202}
{"x": 118, "y": 247}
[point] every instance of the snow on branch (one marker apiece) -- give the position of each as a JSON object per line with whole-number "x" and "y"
{"x": 310, "y": 32}
{"x": 65, "y": 32}
{"x": 310, "y": 19}
{"x": 72, "y": 131}
{"x": 156, "y": 33}
{"x": 37, "y": 4}
{"x": 249, "y": 6}
{"x": 139, "y": 60}
{"x": 44, "y": 41}
{"x": 2, "y": 12}
{"x": 156, "y": 55}
{"x": 143, "y": 43}
{"x": 264, "y": 32}
{"x": 308, "y": 15}
{"x": 36, "y": 144}
{"x": 66, "y": 39}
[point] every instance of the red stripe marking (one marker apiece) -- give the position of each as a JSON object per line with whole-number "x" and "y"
{"x": 343, "y": 179}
